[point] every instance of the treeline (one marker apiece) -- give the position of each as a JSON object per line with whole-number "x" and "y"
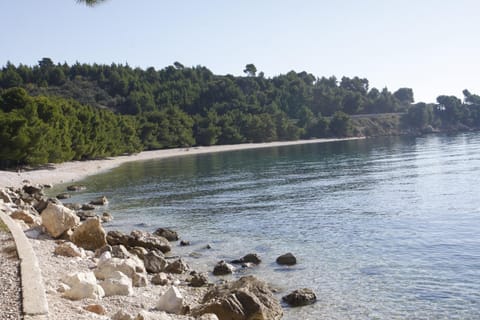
{"x": 38, "y": 130}
{"x": 448, "y": 114}
{"x": 57, "y": 112}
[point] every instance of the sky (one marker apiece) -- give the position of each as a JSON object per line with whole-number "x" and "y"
{"x": 429, "y": 46}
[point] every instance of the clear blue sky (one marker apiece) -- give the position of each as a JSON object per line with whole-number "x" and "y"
{"x": 430, "y": 46}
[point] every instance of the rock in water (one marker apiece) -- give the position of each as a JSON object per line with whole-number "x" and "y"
{"x": 76, "y": 188}
{"x": 57, "y": 219}
{"x": 171, "y": 301}
{"x": 300, "y": 297}
{"x": 100, "y": 201}
{"x": 249, "y": 258}
{"x": 287, "y": 259}
{"x": 168, "y": 234}
{"x": 148, "y": 241}
{"x": 223, "y": 268}
{"x": 90, "y": 235}
{"x": 246, "y": 298}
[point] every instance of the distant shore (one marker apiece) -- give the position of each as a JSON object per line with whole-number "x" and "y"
{"x": 78, "y": 170}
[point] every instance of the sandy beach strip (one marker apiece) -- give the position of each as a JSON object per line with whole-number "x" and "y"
{"x": 78, "y": 170}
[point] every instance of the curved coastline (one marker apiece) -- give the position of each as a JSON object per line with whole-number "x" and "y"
{"x": 77, "y": 170}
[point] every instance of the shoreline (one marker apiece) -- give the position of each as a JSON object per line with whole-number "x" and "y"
{"x": 77, "y": 170}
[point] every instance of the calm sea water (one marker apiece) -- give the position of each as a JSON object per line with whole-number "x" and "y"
{"x": 383, "y": 228}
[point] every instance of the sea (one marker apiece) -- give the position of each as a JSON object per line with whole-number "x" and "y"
{"x": 382, "y": 228}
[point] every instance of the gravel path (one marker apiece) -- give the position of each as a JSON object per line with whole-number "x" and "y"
{"x": 10, "y": 286}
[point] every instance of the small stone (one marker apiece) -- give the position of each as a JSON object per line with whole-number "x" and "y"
{"x": 160, "y": 279}
{"x": 287, "y": 259}
{"x": 300, "y": 297}
{"x": 95, "y": 308}
{"x": 68, "y": 249}
{"x": 122, "y": 315}
{"x": 199, "y": 280}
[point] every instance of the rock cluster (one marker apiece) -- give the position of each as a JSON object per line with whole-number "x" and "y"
{"x": 120, "y": 263}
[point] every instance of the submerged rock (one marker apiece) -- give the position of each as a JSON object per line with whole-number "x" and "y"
{"x": 76, "y": 188}
{"x": 300, "y": 297}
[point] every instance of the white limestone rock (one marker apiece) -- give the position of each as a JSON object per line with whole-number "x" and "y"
{"x": 82, "y": 285}
{"x": 171, "y": 301}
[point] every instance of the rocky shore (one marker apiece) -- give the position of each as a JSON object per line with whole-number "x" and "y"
{"x": 91, "y": 274}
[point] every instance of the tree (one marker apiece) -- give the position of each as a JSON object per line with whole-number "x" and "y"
{"x": 341, "y": 125}
{"x": 404, "y": 95}
{"x": 250, "y": 70}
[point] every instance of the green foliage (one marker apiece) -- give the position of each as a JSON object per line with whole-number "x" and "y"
{"x": 56, "y": 112}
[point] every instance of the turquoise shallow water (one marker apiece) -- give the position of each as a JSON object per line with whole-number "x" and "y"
{"x": 383, "y": 228}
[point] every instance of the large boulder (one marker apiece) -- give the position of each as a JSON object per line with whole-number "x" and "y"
{"x": 168, "y": 234}
{"x": 130, "y": 267}
{"x": 90, "y": 235}
{"x": 57, "y": 219}
{"x": 171, "y": 301}
{"x": 246, "y": 298}
{"x": 300, "y": 297}
{"x": 154, "y": 262}
{"x": 148, "y": 241}
{"x": 117, "y": 284}
{"x": 82, "y": 285}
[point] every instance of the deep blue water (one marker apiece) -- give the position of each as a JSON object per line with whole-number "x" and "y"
{"x": 383, "y": 228}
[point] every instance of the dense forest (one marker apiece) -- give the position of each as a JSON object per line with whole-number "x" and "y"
{"x": 56, "y": 112}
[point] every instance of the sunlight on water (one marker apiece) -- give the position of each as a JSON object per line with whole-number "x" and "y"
{"x": 383, "y": 228}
